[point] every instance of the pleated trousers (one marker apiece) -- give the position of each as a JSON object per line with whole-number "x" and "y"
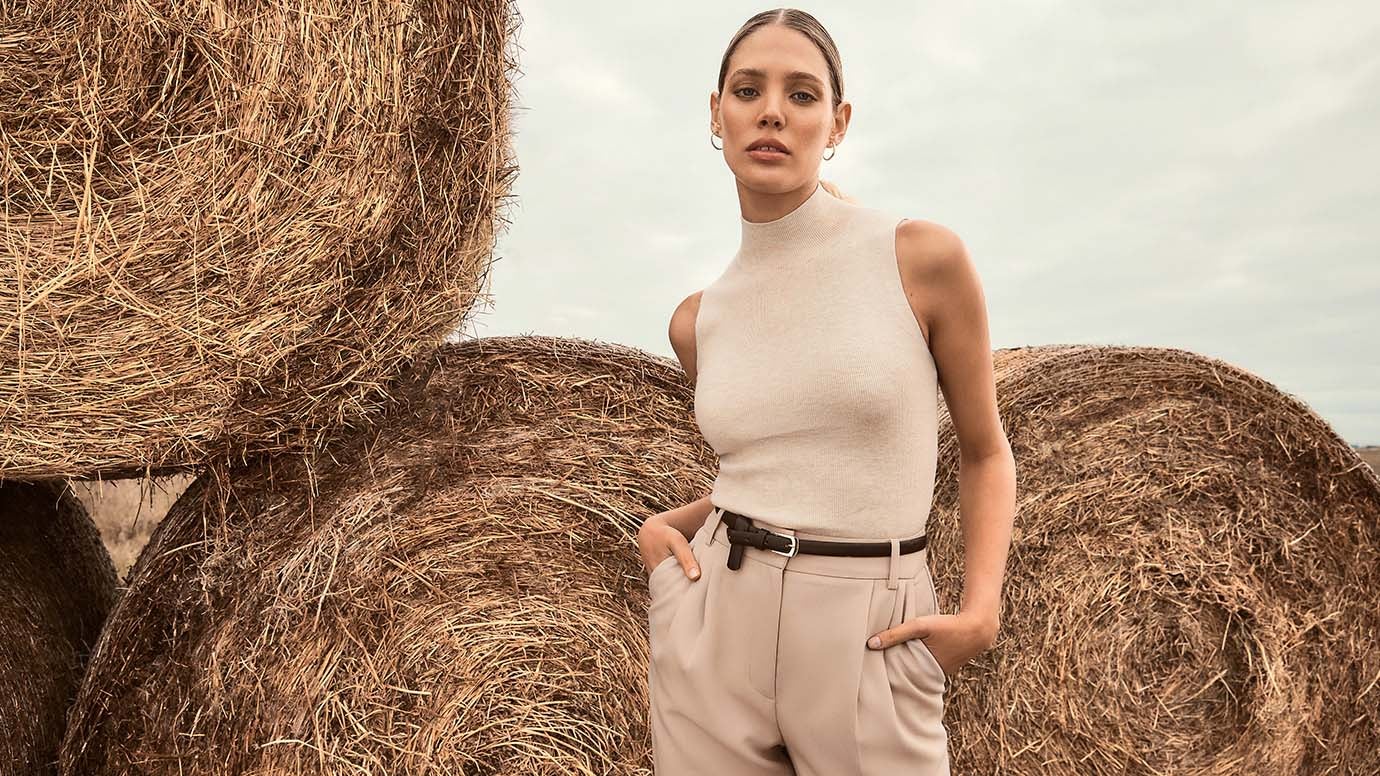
{"x": 764, "y": 670}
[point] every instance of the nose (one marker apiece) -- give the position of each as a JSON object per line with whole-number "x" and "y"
{"x": 770, "y": 113}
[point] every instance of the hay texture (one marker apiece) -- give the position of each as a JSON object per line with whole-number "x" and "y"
{"x": 1194, "y": 579}
{"x": 227, "y": 225}
{"x": 455, "y": 591}
{"x": 57, "y": 585}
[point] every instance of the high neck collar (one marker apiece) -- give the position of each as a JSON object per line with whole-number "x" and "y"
{"x": 804, "y": 226}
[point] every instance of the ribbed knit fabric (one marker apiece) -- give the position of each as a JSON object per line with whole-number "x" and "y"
{"x": 814, "y": 383}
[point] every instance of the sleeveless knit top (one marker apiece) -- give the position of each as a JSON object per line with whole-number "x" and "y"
{"x": 814, "y": 384}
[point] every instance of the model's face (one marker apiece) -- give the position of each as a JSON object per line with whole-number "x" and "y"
{"x": 777, "y": 87}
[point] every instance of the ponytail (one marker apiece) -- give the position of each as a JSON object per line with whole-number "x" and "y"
{"x": 834, "y": 190}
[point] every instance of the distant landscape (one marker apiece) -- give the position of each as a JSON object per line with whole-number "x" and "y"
{"x": 126, "y": 511}
{"x": 1371, "y": 455}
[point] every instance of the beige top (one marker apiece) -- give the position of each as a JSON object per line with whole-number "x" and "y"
{"x": 814, "y": 383}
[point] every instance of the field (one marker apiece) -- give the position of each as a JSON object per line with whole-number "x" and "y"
{"x": 1371, "y": 456}
{"x": 126, "y": 512}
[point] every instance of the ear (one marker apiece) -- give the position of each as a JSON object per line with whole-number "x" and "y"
{"x": 842, "y": 115}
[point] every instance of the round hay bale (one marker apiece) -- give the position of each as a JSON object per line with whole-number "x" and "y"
{"x": 1193, "y": 583}
{"x": 57, "y": 585}
{"x": 227, "y": 225}
{"x": 455, "y": 590}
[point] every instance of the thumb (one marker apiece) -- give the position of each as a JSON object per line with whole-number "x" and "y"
{"x": 920, "y": 626}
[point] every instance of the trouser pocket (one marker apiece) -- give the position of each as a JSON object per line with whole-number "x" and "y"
{"x": 917, "y": 664}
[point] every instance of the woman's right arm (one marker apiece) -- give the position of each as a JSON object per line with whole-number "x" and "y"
{"x": 686, "y": 519}
{"x": 681, "y": 331}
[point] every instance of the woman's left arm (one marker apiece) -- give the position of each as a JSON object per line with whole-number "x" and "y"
{"x": 935, "y": 263}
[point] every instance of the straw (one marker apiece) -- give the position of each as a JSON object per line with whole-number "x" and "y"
{"x": 227, "y": 225}
{"x": 57, "y": 585}
{"x": 1194, "y": 579}
{"x": 453, "y": 590}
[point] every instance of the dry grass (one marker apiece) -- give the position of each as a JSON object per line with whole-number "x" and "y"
{"x": 57, "y": 586}
{"x": 1194, "y": 581}
{"x": 227, "y": 225}
{"x": 455, "y": 590}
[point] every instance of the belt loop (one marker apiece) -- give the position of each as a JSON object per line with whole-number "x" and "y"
{"x": 894, "y": 572}
{"x": 715, "y": 517}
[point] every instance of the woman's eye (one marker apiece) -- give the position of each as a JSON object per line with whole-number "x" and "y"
{"x": 808, "y": 97}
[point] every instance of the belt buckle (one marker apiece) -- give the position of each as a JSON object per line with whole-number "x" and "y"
{"x": 795, "y": 546}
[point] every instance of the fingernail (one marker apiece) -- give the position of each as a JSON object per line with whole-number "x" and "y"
{"x": 874, "y": 642}
{"x": 694, "y": 572}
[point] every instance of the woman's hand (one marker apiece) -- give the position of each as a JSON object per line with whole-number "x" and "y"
{"x": 953, "y": 639}
{"x": 658, "y": 540}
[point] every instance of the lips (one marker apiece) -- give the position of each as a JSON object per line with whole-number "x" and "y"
{"x": 768, "y": 156}
{"x": 768, "y": 145}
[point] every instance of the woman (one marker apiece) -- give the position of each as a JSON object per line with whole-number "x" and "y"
{"x": 793, "y": 623}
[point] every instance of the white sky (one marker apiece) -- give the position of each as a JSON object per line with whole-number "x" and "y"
{"x": 1197, "y": 175}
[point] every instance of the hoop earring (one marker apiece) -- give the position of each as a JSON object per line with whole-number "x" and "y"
{"x": 711, "y": 142}
{"x": 833, "y": 148}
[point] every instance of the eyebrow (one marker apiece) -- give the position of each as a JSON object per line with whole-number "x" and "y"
{"x": 794, "y": 75}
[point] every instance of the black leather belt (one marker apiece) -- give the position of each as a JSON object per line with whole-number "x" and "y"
{"x": 742, "y": 533}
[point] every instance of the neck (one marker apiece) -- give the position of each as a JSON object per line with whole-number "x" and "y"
{"x": 803, "y": 227}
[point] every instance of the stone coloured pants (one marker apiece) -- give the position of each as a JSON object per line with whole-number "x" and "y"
{"x": 765, "y": 670}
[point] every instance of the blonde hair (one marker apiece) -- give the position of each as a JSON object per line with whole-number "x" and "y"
{"x": 833, "y": 189}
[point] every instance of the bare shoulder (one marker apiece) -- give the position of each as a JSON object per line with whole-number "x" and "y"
{"x": 935, "y": 269}
{"x": 929, "y": 250}
{"x": 682, "y": 332}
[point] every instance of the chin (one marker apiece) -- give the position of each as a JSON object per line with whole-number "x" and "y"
{"x": 778, "y": 181}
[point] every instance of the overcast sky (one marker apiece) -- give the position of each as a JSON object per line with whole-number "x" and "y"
{"x": 1197, "y": 175}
